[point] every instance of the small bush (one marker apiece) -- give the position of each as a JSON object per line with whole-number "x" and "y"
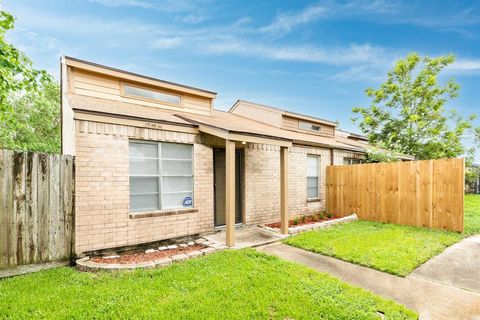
{"x": 320, "y": 216}
{"x": 303, "y": 219}
{"x": 295, "y": 221}
{"x": 330, "y": 215}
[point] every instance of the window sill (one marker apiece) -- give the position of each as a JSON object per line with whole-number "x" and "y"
{"x": 313, "y": 199}
{"x": 161, "y": 213}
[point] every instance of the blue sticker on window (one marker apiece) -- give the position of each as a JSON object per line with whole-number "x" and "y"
{"x": 187, "y": 202}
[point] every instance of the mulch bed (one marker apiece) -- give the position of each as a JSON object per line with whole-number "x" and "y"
{"x": 315, "y": 218}
{"x": 136, "y": 257}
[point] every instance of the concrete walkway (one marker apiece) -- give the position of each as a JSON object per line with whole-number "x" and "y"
{"x": 245, "y": 237}
{"x": 432, "y": 300}
{"x": 458, "y": 266}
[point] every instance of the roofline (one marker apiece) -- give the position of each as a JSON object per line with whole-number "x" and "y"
{"x": 198, "y": 122}
{"x": 99, "y": 68}
{"x": 122, "y": 116}
{"x": 284, "y": 112}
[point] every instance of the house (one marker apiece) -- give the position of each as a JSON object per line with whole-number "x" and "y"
{"x": 155, "y": 160}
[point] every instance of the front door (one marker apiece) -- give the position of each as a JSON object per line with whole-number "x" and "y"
{"x": 219, "y": 186}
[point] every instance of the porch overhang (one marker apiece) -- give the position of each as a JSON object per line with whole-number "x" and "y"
{"x": 232, "y": 135}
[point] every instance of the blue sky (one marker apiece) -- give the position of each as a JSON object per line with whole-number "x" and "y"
{"x": 313, "y": 57}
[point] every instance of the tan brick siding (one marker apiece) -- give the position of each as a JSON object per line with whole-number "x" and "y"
{"x": 102, "y": 189}
{"x": 102, "y": 186}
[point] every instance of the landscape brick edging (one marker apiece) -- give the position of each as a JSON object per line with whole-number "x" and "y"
{"x": 85, "y": 264}
{"x": 318, "y": 225}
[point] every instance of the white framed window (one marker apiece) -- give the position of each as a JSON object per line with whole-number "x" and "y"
{"x": 150, "y": 94}
{"x": 312, "y": 176}
{"x": 352, "y": 161}
{"x": 161, "y": 175}
{"x": 309, "y": 126}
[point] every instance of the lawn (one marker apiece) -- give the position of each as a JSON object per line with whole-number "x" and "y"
{"x": 241, "y": 284}
{"x": 472, "y": 214}
{"x": 390, "y": 248}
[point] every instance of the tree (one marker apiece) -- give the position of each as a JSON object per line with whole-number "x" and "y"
{"x": 29, "y": 99}
{"x": 407, "y": 113}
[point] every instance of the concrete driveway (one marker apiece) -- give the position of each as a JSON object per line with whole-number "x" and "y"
{"x": 431, "y": 299}
{"x": 457, "y": 266}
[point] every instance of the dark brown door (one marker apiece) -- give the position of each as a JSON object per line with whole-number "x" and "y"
{"x": 219, "y": 186}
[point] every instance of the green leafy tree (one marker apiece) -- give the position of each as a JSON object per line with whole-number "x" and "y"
{"x": 407, "y": 113}
{"x": 29, "y": 99}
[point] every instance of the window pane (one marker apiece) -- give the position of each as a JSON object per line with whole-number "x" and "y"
{"x": 143, "y": 185}
{"x": 176, "y": 184}
{"x": 346, "y": 161}
{"x": 143, "y": 150}
{"x": 312, "y": 182}
{"x": 175, "y": 168}
{"x": 151, "y": 94}
{"x": 174, "y": 200}
{"x": 140, "y": 166}
{"x": 143, "y": 202}
{"x": 176, "y": 151}
{"x": 312, "y": 166}
{"x": 312, "y": 187}
{"x": 312, "y": 193}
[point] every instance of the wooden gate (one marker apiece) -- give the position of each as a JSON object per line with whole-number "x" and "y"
{"x": 427, "y": 193}
{"x": 36, "y": 208}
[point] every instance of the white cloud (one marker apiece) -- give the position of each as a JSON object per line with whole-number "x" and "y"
{"x": 167, "y": 43}
{"x": 284, "y": 23}
{"x": 465, "y": 65}
{"x": 335, "y": 56}
{"x": 166, "y": 5}
{"x": 127, "y": 3}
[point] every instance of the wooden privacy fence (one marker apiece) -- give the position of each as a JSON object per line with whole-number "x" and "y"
{"x": 36, "y": 208}
{"x": 427, "y": 193}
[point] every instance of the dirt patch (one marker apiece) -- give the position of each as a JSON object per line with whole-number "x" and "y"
{"x": 141, "y": 256}
{"x": 300, "y": 221}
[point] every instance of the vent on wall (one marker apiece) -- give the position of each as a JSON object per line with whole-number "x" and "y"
{"x": 309, "y": 126}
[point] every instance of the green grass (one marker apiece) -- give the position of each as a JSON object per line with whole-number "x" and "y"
{"x": 240, "y": 284}
{"x": 390, "y": 248}
{"x": 472, "y": 214}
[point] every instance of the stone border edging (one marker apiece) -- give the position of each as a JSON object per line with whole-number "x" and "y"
{"x": 85, "y": 264}
{"x": 312, "y": 226}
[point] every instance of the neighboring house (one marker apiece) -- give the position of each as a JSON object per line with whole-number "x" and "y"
{"x": 472, "y": 185}
{"x": 155, "y": 160}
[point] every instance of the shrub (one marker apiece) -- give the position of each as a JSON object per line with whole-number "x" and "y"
{"x": 303, "y": 219}
{"x": 295, "y": 221}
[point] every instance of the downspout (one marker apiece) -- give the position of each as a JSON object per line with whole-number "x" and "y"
{"x": 67, "y": 120}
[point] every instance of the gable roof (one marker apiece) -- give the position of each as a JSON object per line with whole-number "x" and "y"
{"x": 282, "y": 112}
{"x": 122, "y": 74}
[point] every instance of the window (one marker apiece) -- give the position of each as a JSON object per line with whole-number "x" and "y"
{"x": 151, "y": 94}
{"x": 308, "y": 126}
{"x": 352, "y": 161}
{"x": 161, "y": 175}
{"x": 312, "y": 176}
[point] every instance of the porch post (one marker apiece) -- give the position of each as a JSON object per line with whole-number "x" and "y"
{"x": 230, "y": 192}
{"x": 284, "y": 190}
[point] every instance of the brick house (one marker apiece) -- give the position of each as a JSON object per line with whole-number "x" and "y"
{"x": 155, "y": 160}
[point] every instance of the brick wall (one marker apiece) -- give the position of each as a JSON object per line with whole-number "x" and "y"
{"x": 102, "y": 186}
{"x": 262, "y": 181}
{"x": 102, "y": 189}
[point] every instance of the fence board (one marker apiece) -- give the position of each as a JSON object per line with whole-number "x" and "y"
{"x": 427, "y": 193}
{"x": 36, "y": 208}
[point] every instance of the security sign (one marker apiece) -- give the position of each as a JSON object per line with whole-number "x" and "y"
{"x": 187, "y": 202}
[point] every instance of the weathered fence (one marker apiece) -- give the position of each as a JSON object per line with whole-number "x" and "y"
{"x": 426, "y": 193}
{"x": 36, "y": 208}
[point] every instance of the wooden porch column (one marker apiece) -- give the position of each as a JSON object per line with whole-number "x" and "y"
{"x": 230, "y": 193}
{"x": 284, "y": 190}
